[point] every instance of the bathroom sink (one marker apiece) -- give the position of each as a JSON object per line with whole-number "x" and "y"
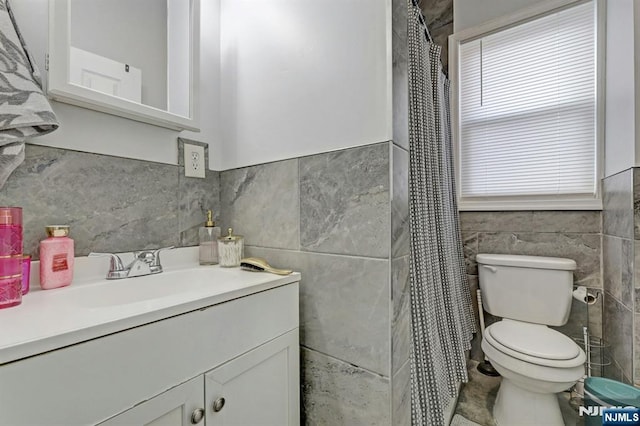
{"x": 148, "y": 289}
{"x": 149, "y": 292}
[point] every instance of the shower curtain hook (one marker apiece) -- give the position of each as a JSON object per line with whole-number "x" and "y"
{"x": 416, "y": 4}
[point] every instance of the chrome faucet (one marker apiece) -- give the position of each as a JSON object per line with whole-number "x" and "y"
{"x": 145, "y": 262}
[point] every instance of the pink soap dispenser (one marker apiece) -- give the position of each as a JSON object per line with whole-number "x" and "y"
{"x": 56, "y": 258}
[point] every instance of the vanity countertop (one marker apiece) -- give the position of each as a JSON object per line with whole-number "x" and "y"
{"x": 52, "y": 319}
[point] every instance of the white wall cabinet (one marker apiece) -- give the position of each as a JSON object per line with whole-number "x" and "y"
{"x": 244, "y": 350}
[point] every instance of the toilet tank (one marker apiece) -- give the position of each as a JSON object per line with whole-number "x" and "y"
{"x": 527, "y": 288}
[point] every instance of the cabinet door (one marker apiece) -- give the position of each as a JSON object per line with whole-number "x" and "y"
{"x": 176, "y": 407}
{"x": 259, "y": 388}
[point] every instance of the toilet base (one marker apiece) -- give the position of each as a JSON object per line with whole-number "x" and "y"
{"x": 517, "y": 406}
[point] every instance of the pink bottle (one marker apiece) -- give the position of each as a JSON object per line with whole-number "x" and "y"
{"x": 56, "y": 258}
{"x": 10, "y": 256}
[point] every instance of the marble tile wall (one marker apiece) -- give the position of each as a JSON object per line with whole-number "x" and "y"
{"x": 400, "y": 297}
{"x": 617, "y": 199}
{"x": 344, "y": 202}
{"x": 618, "y": 274}
{"x": 400, "y": 301}
{"x": 329, "y": 217}
{"x": 112, "y": 204}
{"x": 401, "y": 388}
{"x": 196, "y": 196}
{"x": 344, "y": 305}
{"x": 439, "y": 17}
{"x": 117, "y": 204}
{"x": 571, "y": 234}
{"x": 339, "y": 393}
{"x": 275, "y": 188}
{"x": 635, "y": 261}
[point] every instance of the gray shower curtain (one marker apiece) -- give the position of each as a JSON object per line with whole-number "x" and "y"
{"x": 441, "y": 311}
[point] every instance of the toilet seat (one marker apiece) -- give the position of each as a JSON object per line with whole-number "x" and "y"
{"x": 534, "y": 343}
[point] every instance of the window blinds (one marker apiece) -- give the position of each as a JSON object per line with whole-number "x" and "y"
{"x": 527, "y": 105}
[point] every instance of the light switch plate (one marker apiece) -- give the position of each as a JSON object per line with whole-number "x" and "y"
{"x": 194, "y": 161}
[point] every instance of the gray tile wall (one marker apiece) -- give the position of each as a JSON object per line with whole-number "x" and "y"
{"x": 439, "y": 17}
{"x": 400, "y": 298}
{"x": 112, "y": 204}
{"x": 400, "y": 302}
{"x": 338, "y": 393}
{"x": 117, "y": 204}
{"x": 329, "y": 217}
{"x": 275, "y": 188}
{"x": 569, "y": 234}
{"x": 634, "y": 260}
{"x": 617, "y": 274}
{"x": 344, "y": 202}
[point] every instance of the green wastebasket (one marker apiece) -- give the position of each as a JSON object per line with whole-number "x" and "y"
{"x": 601, "y": 392}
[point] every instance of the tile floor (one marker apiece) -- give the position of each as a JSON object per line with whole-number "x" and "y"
{"x": 478, "y": 395}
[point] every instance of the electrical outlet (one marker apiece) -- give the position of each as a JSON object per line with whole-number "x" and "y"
{"x": 194, "y": 164}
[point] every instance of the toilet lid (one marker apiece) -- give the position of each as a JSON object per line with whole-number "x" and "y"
{"x": 534, "y": 340}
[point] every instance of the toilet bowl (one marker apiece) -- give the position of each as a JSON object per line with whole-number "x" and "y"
{"x": 536, "y": 362}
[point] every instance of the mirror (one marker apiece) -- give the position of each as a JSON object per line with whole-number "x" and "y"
{"x": 135, "y": 59}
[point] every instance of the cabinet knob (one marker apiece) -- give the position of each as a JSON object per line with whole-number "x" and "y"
{"x": 218, "y": 404}
{"x": 197, "y": 416}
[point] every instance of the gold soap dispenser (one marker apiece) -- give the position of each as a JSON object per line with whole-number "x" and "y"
{"x": 209, "y": 234}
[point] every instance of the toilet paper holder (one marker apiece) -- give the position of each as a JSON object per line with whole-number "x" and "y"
{"x": 583, "y": 295}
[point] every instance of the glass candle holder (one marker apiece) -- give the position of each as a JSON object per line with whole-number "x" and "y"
{"x": 26, "y": 273}
{"x": 10, "y": 256}
{"x": 230, "y": 248}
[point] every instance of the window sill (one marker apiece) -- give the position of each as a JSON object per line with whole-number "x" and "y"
{"x": 511, "y": 205}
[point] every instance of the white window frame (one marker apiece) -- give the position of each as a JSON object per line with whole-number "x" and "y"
{"x": 560, "y": 202}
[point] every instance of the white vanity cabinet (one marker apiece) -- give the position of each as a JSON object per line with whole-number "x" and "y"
{"x": 179, "y": 406}
{"x": 257, "y": 388}
{"x": 244, "y": 351}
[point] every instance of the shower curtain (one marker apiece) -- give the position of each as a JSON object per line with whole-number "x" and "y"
{"x": 441, "y": 311}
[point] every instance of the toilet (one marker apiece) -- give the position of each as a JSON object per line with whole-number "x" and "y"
{"x": 529, "y": 293}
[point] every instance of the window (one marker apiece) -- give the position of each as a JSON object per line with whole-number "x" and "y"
{"x": 525, "y": 112}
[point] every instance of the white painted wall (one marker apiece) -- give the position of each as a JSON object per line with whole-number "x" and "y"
{"x": 295, "y": 77}
{"x": 620, "y": 102}
{"x": 209, "y": 83}
{"x": 85, "y": 130}
{"x": 470, "y": 13}
{"x": 301, "y": 77}
{"x": 178, "y": 52}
